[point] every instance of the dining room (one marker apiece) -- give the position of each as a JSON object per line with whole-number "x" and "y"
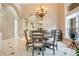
{"x": 49, "y": 19}
{"x": 40, "y": 29}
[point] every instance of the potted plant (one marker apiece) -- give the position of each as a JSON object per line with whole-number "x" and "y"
{"x": 77, "y": 52}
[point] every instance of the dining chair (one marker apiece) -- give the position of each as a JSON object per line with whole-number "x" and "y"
{"x": 28, "y": 40}
{"x": 38, "y": 40}
{"x": 51, "y": 43}
{"x": 45, "y": 34}
{"x": 54, "y": 34}
{"x": 59, "y": 35}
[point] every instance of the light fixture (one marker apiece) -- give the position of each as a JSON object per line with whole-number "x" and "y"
{"x": 41, "y": 11}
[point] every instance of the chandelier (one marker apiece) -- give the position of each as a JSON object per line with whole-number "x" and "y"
{"x": 41, "y": 11}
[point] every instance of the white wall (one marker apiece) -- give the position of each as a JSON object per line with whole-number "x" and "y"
{"x": 0, "y": 28}
{"x": 0, "y": 40}
{"x": 8, "y": 16}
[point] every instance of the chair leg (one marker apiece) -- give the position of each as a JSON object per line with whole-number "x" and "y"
{"x": 56, "y": 47}
{"x": 44, "y": 47}
{"x": 27, "y": 48}
{"x": 43, "y": 51}
{"x": 26, "y": 44}
{"x": 53, "y": 50}
{"x": 33, "y": 52}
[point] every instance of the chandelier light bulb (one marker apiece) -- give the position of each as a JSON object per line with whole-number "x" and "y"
{"x": 42, "y": 7}
{"x": 46, "y": 9}
{"x": 37, "y": 8}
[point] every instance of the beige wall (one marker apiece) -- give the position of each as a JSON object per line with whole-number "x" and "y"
{"x": 53, "y": 18}
{"x": 61, "y": 20}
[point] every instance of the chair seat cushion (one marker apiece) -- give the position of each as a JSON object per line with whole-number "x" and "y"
{"x": 50, "y": 40}
{"x": 30, "y": 40}
{"x": 30, "y": 45}
{"x": 38, "y": 44}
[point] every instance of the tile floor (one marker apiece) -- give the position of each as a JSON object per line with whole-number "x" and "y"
{"x": 12, "y": 47}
